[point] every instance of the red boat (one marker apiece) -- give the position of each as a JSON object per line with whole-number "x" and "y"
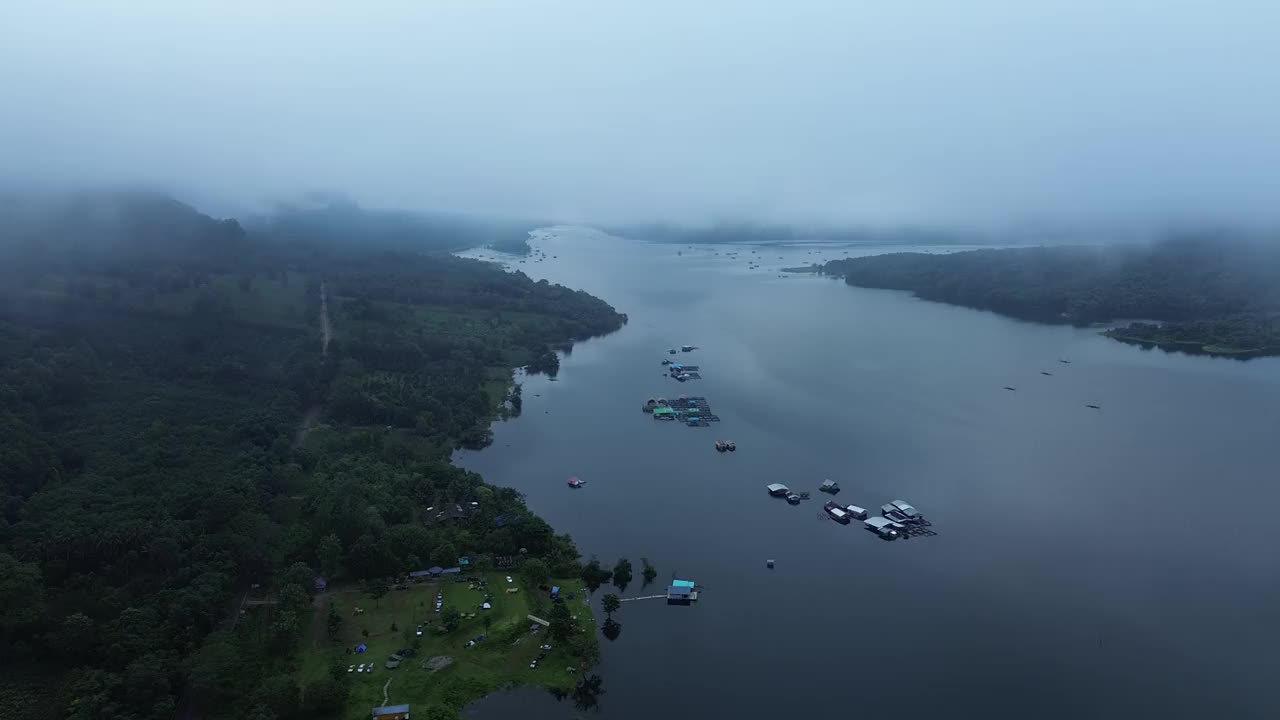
{"x": 575, "y": 482}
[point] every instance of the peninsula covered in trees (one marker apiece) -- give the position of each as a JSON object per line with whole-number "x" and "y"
{"x": 182, "y": 427}
{"x": 1212, "y": 293}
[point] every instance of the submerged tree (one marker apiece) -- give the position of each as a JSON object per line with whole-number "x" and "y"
{"x": 622, "y": 574}
{"x": 594, "y": 576}
{"x": 649, "y": 572}
{"x": 612, "y": 629}
{"x": 611, "y": 603}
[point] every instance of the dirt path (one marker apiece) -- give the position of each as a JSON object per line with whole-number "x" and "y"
{"x": 312, "y": 416}
{"x": 325, "y": 331}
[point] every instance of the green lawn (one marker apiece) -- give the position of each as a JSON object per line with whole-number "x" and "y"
{"x": 501, "y": 660}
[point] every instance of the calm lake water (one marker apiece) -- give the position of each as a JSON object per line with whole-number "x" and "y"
{"x": 1119, "y": 562}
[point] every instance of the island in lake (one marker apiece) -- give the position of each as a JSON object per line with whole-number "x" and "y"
{"x": 1207, "y": 294}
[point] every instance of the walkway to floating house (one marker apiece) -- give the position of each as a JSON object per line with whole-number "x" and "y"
{"x": 643, "y": 597}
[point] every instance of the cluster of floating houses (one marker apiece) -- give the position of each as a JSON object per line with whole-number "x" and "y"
{"x": 692, "y": 411}
{"x": 896, "y": 519}
{"x": 680, "y": 371}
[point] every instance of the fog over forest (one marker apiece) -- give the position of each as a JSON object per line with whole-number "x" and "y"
{"x": 988, "y": 113}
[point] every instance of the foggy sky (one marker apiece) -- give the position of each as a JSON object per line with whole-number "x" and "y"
{"x": 972, "y": 112}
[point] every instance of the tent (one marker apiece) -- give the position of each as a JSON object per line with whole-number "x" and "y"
{"x": 361, "y": 648}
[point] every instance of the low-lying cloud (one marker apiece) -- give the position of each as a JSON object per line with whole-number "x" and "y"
{"x": 983, "y": 112}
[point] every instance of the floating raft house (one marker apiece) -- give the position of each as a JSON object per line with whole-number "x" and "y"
{"x": 682, "y": 592}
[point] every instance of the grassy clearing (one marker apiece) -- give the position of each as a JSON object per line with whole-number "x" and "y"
{"x": 499, "y": 661}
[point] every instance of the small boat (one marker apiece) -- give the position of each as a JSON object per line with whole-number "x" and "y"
{"x": 837, "y": 513}
{"x": 721, "y": 446}
{"x": 777, "y": 489}
{"x": 1006, "y": 387}
{"x": 1095, "y": 407}
{"x": 1065, "y": 362}
{"x": 731, "y": 446}
{"x": 672, "y": 351}
{"x": 687, "y": 348}
{"x": 666, "y": 362}
{"x": 829, "y": 486}
{"x": 1042, "y": 372}
{"x": 804, "y": 494}
{"x": 575, "y": 483}
{"x": 793, "y": 498}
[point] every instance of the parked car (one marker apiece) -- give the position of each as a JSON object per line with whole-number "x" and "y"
{"x": 533, "y": 664}
{"x": 419, "y": 631}
{"x": 546, "y": 647}
{"x": 351, "y": 668}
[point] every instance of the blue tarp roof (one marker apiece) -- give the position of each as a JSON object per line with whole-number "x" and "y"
{"x": 555, "y": 589}
{"x": 390, "y": 710}
{"x": 682, "y": 583}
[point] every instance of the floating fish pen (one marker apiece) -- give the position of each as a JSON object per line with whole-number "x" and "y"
{"x": 692, "y": 411}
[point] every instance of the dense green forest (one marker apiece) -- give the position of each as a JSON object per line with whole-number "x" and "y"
{"x": 1212, "y": 293}
{"x": 763, "y": 234}
{"x": 155, "y": 366}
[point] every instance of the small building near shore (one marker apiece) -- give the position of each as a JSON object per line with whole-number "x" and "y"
{"x": 391, "y": 712}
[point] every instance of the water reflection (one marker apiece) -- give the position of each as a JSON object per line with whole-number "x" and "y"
{"x": 612, "y": 629}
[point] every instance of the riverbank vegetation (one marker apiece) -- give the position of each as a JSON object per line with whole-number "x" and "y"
{"x": 1208, "y": 293}
{"x": 162, "y": 528}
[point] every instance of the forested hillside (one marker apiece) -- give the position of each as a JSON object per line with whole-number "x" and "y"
{"x": 336, "y": 222}
{"x": 155, "y": 365}
{"x": 1210, "y": 293}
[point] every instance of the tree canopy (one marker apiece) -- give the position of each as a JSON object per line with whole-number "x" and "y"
{"x": 155, "y": 366}
{"x": 1209, "y": 292}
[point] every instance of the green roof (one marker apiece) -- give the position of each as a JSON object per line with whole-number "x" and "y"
{"x": 663, "y": 410}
